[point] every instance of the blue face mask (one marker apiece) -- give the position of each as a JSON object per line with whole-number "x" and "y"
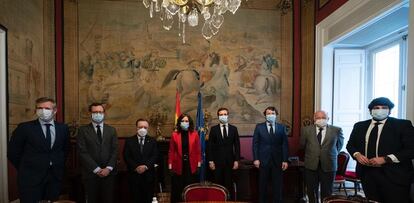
{"x": 97, "y": 117}
{"x": 184, "y": 125}
{"x": 223, "y": 119}
{"x": 271, "y": 118}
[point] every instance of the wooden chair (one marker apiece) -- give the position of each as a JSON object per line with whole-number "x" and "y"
{"x": 351, "y": 176}
{"x": 343, "y": 159}
{"x": 345, "y": 199}
{"x": 205, "y": 191}
{"x": 337, "y": 199}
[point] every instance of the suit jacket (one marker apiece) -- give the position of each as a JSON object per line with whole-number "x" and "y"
{"x": 175, "y": 152}
{"x": 397, "y": 137}
{"x": 327, "y": 152}
{"x": 93, "y": 154}
{"x": 134, "y": 158}
{"x": 31, "y": 156}
{"x": 223, "y": 151}
{"x": 270, "y": 149}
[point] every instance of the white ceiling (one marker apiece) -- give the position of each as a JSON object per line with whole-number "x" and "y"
{"x": 395, "y": 22}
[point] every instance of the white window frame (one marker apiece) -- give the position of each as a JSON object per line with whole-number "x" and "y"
{"x": 376, "y": 47}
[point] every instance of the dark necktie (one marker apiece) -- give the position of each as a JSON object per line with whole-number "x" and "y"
{"x": 99, "y": 133}
{"x": 372, "y": 141}
{"x": 48, "y": 135}
{"x": 319, "y": 136}
{"x": 224, "y": 131}
{"x": 141, "y": 144}
{"x": 271, "y": 132}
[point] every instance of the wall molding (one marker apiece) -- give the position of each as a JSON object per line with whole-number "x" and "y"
{"x": 4, "y": 188}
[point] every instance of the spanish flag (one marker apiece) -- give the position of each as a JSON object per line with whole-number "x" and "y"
{"x": 177, "y": 107}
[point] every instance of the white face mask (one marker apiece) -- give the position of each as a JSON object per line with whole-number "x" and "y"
{"x": 271, "y": 118}
{"x": 142, "y": 132}
{"x": 223, "y": 119}
{"x": 380, "y": 114}
{"x": 45, "y": 115}
{"x": 184, "y": 125}
{"x": 97, "y": 117}
{"x": 321, "y": 122}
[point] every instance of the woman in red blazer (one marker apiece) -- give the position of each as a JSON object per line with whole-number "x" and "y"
{"x": 184, "y": 156}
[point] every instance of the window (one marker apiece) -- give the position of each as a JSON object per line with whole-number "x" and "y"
{"x": 387, "y": 72}
{"x": 354, "y": 53}
{"x": 362, "y": 74}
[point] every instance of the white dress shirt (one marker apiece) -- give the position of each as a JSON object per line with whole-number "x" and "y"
{"x": 323, "y": 132}
{"x": 222, "y": 128}
{"x": 268, "y": 127}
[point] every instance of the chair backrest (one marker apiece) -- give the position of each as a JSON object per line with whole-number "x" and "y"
{"x": 205, "y": 191}
{"x": 343, "y": 159}
{"x": 345, "y": 199}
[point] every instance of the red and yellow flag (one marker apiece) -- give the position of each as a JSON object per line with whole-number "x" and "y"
{"x": 177, "y": 107}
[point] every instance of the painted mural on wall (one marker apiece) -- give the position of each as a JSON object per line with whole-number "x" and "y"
{"x": 129, "y": 62}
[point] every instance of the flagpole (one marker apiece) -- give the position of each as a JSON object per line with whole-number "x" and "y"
{"x": 177, "y": 106}
{"x": 201, "y": 133}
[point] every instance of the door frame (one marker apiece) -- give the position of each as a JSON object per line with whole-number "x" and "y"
{"x": 4, "y": 188}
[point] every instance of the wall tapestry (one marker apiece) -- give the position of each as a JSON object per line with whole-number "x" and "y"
{"x": 128, "y": 61}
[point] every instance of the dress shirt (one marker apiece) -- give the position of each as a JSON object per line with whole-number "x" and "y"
{"x": 227, "y": 129}
{"x": 102, "y": 133}
{"x": 143, "y": 143}
{"x": 323, "y": 132}
{"x": 139, "y": 142}
{"x": 380, "y": 127}
{"x": 143, "y": 139}
{"x": 52, "y": 131}
{"x": 95, "y": 128}
{"x": 268, "y": 127}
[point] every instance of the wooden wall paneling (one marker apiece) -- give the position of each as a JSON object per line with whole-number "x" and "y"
{"x": 49, "y": 48}
{"x": 296, "y": 43}
{"x": 327, "y": 8}
{"x": 308, "y": 53}
{"x": 58, "y": 8}
{"x": 286, "y": 60}
{"x": 71, "y": 85}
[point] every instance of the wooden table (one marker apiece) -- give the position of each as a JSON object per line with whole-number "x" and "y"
{"x": 215, "y": 202}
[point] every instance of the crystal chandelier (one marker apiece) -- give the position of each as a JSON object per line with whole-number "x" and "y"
{"x": 189, "y": 11}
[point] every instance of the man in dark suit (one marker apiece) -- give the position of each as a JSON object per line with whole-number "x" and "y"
{"x": 98, "y": 152}
{"x": 322, "y": 144}
{"x": 223, "y": 150}
{"x": 383, "y": 147}
{"x": 38, "y": 149}
{"x": 140, "y": 154}
{"x": 270, "y": 154}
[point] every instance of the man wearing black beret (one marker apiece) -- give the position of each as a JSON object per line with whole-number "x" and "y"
{"x": 383, "y": 147}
